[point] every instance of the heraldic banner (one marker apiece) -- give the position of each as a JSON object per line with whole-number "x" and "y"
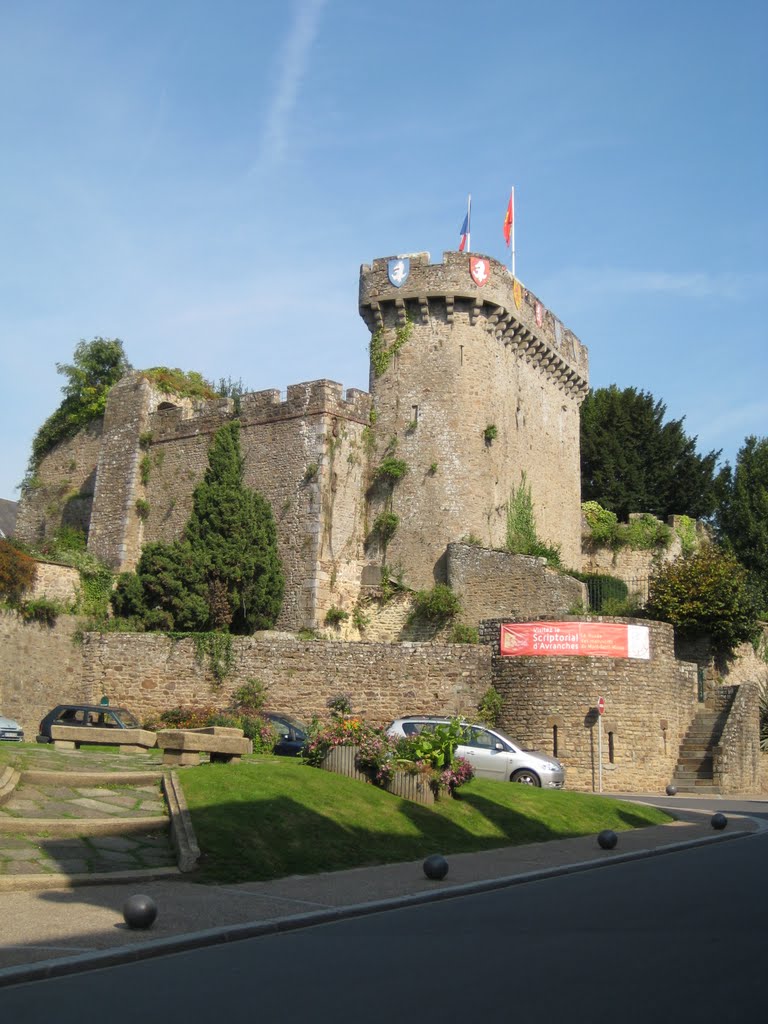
{"x": 591, "y": 639}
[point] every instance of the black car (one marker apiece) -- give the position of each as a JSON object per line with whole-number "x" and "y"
{"x": 291, "y": 735}
{"x": 101, "y": 716}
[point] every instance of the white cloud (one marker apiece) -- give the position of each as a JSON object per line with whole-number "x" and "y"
{"x": 693, "y": 285}
{"x": 292, "y": 66}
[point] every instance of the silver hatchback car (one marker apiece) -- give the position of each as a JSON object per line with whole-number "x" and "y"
{"x": 492, "y": 753}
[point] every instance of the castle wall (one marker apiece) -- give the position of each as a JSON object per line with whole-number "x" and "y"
{"x": 304, "y": 455}
{"x": 496, "y": 584}
{"x": 41, "y": 667}
{"x": 649, "y": 706}
{"x": 151, "y": 673}
{"x": 473, "y": 359}
{"x": 62, "y": 492}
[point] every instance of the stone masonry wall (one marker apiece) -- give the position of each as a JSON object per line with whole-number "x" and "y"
{"x": 649, "y": 706}
{"x": 150, "y": 674}
{"x": 62, "y": 494}
{"x": 56, "y": 583}
{"x": 493, "y": 584}
{"x": 737, "y": 759}
{"x": 474, "y": 359}
{"x": 40, "y": 667}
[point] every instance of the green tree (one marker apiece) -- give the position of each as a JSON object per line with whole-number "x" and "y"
{"x": 96, "y": 366}
{"x": 706, "y": 593}
{"x": 225, "y": 574}
{"x": 233, "y": 534}
{"x": 742, "y": 516}
{"x": 632, "y": 461}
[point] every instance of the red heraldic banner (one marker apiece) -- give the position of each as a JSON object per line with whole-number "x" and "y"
{"x": 591, "y": 639}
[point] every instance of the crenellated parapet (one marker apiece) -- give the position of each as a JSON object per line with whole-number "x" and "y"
{"x": 312, "y": 398}
{"x": 491, "y": 298}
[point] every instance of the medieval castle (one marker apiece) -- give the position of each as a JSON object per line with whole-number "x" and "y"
{"x": 474, "y": 387}
{"x": 473, "y": 382}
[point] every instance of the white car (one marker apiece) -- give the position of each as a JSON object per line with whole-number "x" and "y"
{"x": 10, "y": 730}
{"x": 491, "y": 753}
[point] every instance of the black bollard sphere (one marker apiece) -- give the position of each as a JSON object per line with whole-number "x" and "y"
{"x": 139, "y": 911}
{"x": 671, "y": 790}
{"x": 607, "y": 839}
{"x": 719, "y": 821}
{"x": 436, "y": 867}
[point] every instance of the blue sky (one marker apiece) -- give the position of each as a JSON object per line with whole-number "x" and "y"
{"x": 203, "y": 181}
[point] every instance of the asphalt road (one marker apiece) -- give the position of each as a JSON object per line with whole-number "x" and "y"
{"x": 677, "y": 938}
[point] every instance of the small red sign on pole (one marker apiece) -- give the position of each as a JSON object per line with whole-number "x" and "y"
{"x": 601, "y": 705}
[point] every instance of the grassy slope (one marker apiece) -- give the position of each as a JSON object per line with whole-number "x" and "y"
{"x": 270, "y": 817}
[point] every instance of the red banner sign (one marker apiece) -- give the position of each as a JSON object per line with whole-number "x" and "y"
{"x": 590, "y": 639}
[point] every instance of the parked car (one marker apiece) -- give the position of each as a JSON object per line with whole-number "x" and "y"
{"x": 10, "y": 730}
{"x": 101, "y": 716}
{"x": 291, "y": 734}
{"x": 492, "y": 753}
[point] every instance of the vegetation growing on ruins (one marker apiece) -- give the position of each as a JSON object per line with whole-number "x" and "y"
{"x": 335, "y": 616}
{"x": 436, "y": 605}
{"x": 641, "y": 533}
{"x": 383, "y": 354}
{"x": 522, "y": 537}
{"x": 490, "y": 707}
{"x": 706, "y": 593}
{"x": 96, "y": 365}
{"x": 632, "y": 461}
{"x": 182, "y": 383}
{"x": 224, "y": 573}
{"x": 17, "y": 572}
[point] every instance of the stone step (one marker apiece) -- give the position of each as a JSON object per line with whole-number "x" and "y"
{"x": 700, "y": 790}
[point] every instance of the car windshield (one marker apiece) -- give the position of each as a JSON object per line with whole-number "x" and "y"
{"x": 503, "y": 736}
{"x": 129, "y": 721}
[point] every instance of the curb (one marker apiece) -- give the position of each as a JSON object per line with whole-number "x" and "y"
{"x": 73, "y": 827}
{"x": 235, "y": 933}
{"x": 31, "y": 883}
{"x": 182, "y": 831}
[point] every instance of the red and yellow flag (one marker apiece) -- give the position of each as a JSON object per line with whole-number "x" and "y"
{"x": 509, "y": 218}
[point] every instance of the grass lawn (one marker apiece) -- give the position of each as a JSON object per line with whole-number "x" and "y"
{"x": 270, "y": 817}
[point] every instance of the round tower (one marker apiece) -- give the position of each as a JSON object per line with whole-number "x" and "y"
{"x": 476, "y": 389}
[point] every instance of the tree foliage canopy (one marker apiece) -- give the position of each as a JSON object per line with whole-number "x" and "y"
{"x": 225, "y": 574}
{"x": 742, "y": 517}
{"x": 632, "y": 461}
{"x": 706, "y": 593}
{"x": 95, "y": 367}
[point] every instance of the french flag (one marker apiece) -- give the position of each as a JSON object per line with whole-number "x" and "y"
{"x": 464, "y": 239}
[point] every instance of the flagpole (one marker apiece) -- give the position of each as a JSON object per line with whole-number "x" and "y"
{"x": 469, "y": 222}
{"x": 513, "y": 231}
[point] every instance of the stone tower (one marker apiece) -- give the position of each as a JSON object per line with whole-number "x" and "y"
{"x": 474, "y": 383}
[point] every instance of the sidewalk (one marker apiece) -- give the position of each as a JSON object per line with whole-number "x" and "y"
{"x": 54, "y": 931}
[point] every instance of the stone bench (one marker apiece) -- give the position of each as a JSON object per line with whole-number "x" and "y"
{"x": 184, "y": 746}
{"x": 130, "y": 741}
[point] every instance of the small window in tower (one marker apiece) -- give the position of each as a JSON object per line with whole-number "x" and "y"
{"x": 461, "y": 355}
{"x": 611, "y": 750}
{"x": 554, "y": 741}
{"x": 414, "y": 414}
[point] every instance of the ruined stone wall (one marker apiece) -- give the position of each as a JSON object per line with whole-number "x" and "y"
{"x": 473, "y": 359}
{"x": 150, "y": 674}
{"x": 62, "y": 492}
{"x": 56, "y": 583}
{"x": 736, "y": 758}
{"x": 40, "y": 667}
{"x": 304, "y": 455}
{"x": 494, "y": 584}
{"x": 549, "y": 704}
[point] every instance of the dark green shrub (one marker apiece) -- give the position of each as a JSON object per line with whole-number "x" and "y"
{"x": 391, "y": 470}
{"x": 438, "y": 604}
{"x": 40, "y": 610}
{"x": 335, "y": 615}
{"x": 461, "y": 634}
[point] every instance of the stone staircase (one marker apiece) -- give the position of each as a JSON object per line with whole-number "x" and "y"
{"x": 693, "y": 773}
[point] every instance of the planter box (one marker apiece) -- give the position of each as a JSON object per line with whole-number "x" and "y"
{"x": 411, "y": 786}
{"x": 341, "y": 760}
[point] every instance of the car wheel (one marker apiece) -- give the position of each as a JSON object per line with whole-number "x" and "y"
{"x": 526, "y": 777}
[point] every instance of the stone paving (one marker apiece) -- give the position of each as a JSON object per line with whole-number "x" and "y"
{"x": 25, "y": 854}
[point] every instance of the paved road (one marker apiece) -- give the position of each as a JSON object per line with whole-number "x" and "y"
{"x": 673, "y": 938}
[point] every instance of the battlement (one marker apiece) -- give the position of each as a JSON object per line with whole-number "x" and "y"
{"x": 500, "y": 303}
{"x": 310, "y": 398}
